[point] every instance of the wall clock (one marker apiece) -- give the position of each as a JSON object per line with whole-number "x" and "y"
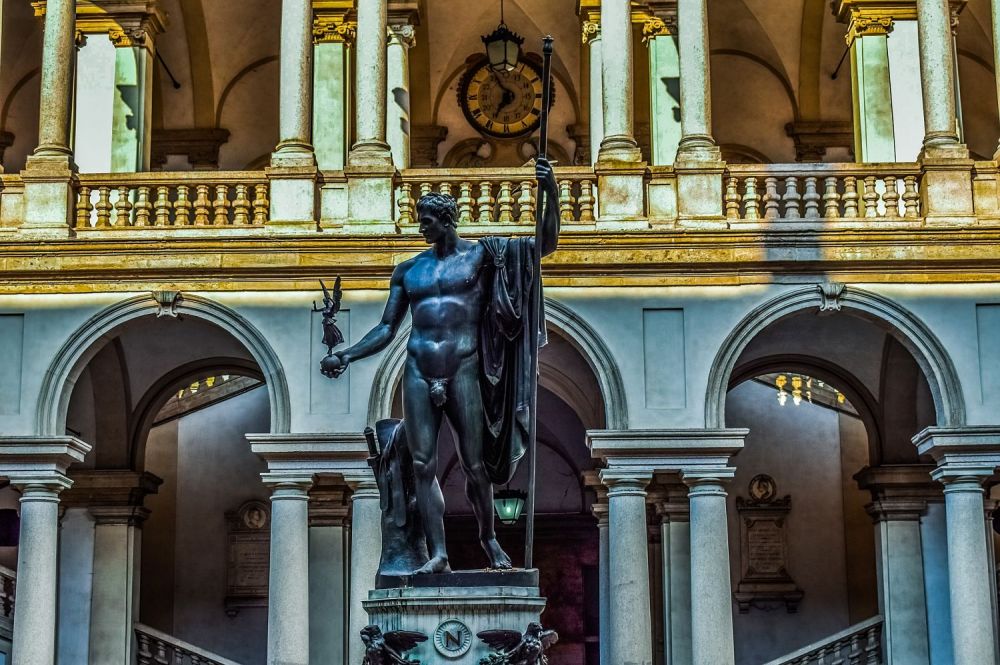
{"x": 502, "y": 104}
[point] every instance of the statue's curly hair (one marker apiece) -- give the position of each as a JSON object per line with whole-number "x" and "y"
{"x": 441, "y": 205}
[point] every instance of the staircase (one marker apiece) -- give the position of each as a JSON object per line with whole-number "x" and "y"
{"x": 861, "y": 644}
{"x": 156, "y": 648}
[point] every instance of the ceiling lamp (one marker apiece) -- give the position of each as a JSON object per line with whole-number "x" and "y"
{"x": 509, "y": 504}
{"x": 503, "y": 47}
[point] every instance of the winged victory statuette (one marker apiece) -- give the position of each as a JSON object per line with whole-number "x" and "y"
{"x": 331, "y": 307}
{"x": 516, "y": 649}
{"x": 388, "y": 648}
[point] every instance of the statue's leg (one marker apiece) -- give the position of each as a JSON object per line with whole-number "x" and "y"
{"x": 422, "y": 421}
{"x": 465, "y": 411}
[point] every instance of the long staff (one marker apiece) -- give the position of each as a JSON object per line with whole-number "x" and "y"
{"x": 536, "y": 297}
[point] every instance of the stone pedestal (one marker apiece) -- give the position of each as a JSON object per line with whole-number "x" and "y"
{"x": 451, "y": 615}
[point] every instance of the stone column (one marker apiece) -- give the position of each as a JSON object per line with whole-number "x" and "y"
{"x": 288, "y": 582}
{"x": 114, "y": 499}
{"x": 659, "y": 33}
{"x": 600, "y": 510}
{"x": 370, "y": 85}
{"x": 711, "y": 587}
{"x": 333, "y": 35}
{"x": 899, "y": 500}
{"x": 366, "y": 548}
{"x": 618, "y": 143}
{"x": 628, "y": 557}
{"x": 995, "y": 6}
{"x": 695, "y": 85}
{"x": 402, "y": 36}
{"x": 37, "y": 466}
{"x": 934, "y": 543}
{"x": 293, "y": 174}
{"x": 675, "y": 534}
{"x": 327, "y": 576}
{"x": 937, "y": 74}
{"x": 592, "y": 37}
{"x": 966, "y": 458}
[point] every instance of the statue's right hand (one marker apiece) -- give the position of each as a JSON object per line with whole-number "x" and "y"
{"x": 333, "y": 365}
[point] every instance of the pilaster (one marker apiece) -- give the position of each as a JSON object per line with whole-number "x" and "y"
{"x": 334, "y": 30}
{"x": 589, "y": 12}
{"x": 328, "y": 510}
{"x": 599, "y": 508}
{"x": 403, "y": 19}
{"x": 659, "y": 34}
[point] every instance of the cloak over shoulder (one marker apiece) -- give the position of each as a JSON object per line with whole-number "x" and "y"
{"x": 506, "y": 356}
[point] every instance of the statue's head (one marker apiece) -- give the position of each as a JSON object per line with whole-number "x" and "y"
{"x": 435, "y": 213}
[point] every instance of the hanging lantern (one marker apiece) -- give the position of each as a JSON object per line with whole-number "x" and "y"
{"x": 503, "y": 47}
{"x": 509, "y": 504}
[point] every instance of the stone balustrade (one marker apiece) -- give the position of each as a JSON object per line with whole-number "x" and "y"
{"x": 853, "y": 193}
{"x": 495, "y": 196}
{"x": 860, "y": 644}
{"x": 156, "y": 648}
{"x": 115, "y": 201}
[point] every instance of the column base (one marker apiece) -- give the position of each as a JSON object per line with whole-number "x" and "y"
{"x": 293, "y": 198}
{"x": 370, "y": 154}
{"x": 619, "y": 148}
{"x": 451, "y": 615}
{"x": 621, "y": 195}
{"x": 293, "y": 154}
{"x": 946, "y": 193}
{"x": 697, "y": 148}
{"x": 48, "y": 195}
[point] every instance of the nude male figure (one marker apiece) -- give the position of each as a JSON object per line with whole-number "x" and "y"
{"x": 446, "y": 289}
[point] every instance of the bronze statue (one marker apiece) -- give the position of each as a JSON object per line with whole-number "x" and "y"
{"x": 331, "y": 307}
{"x": 517, "y": 649}
{"x": 468, "y": 357}
{"x": 388, "y": 649}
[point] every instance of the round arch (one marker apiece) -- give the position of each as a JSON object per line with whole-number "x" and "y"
{"x": 577, "y": 331}
{"x": 83, "y": 344}
{"x": 913, "y": 334}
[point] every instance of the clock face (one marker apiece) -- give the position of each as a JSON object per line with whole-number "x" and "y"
{"x": 502, "y": 104}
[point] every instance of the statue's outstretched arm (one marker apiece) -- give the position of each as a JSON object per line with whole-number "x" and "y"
{"x": 378, "y": 337}
{"x": 550, "y": 220}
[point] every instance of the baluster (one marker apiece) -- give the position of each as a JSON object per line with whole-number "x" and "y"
{"x": 792, "y": 198}
{"x": 103, "y": 207}
{"x": 821, "y": 655}
{"x": 465, "y": 202}
{"x": 811, "y": 198}
{"x": 201, "y": 204}
{"x": 220, "y": 206}
{"x": 162, "y": 206}
{"x": 485, "y": 202}
{"x": 566, "y": 201}
{"x": 505, "y": 203}
{"x": 751, "y": 199}
{"x": 891, "y": 198}
{"x": 179, "y": 656}
{"x": 161, "y": 657}
{"x": 182, "y": 207}
{"x": 855, "y": 653}
{"x": 260, "y": 205}
{"x": 426, "y": 188}
{"x": 143, "y": 207}
{"x": 873, "y": 648}
{"x": 831, "y": 199}
{"x": 732, "y": 199}
{"x": 587, "y": 201}
{"x": 241, "y": 207}
{"x": 8, "y": 596}
{"x": 197, "y": 660}
{"x": 145, "y": 656}
{"x": 771, "y": 198}
{"x": 850, "y": 197}
{"x": 404, "y": 204}
{"x": 83, "y": 208}
{"x": 445, "y": 188}
{"x": 911, "y": 198}
{"x": 123, "y": 207}
{"x": 526, "y": 204}
{"x": 870, "y": 197}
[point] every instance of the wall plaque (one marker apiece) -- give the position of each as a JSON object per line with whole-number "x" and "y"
{"x": 249, "y": 543}
{"x": 764, "y": 581}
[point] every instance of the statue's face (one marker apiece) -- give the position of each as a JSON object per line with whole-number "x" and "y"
{"x": 432, "y": 227}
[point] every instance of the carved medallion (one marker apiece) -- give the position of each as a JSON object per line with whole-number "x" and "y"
{"x": 452, "y": 638}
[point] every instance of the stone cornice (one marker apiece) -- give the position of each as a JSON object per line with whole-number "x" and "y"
{"x": 640, "y": 453}
{"x": 110, "y": 487}
{"x": 343, "y": 455}
{"x": 961, "y": 453}
{"x": 40, "y": 461}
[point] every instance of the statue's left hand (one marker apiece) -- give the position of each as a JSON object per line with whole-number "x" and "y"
{"x": 545, "y": 175}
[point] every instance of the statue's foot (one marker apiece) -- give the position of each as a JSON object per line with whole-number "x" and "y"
{"x": 438, "y": 564}
{"x": 498, "y": 558}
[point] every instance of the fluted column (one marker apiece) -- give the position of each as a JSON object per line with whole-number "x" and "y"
{"x": 618, "y": 143}
{"x": 366, "y": 548}
{"x": 296, "y": 86}
{"x": 57, "y": 78}
{"x": 592, "y": 37}
{"x": 288, "y": 581}
{"x": 937, "y": 73}
{"x": 370, "y": 86}
{"x": 401, "y": 38}
{"x": 966, "y": 458}
{"x": 711, "y": 588}
{"x": 631, "y": 622}
{"x": 695, "y": 84}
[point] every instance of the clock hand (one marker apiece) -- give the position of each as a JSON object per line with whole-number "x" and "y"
{"x": 506, "y": 99}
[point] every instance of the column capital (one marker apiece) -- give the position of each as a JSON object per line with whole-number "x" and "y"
{"x": 626, "y": 482}
{"x": 288, "y": 484}
{"x": 964, "y": 455}
{"x": 126, "y": 22}
{"x": 403, "y": 33}
{"x": 127, "y": 515}
{"x": 590, "y": 31}
{"x": 334, "y": 21}
{"x": 658, "y": 18}
{"x": 704, "y": 480}
{"x": 110, "y": 488}
{"x": 39, "y": 463}
{"x": 327, "y": 454}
